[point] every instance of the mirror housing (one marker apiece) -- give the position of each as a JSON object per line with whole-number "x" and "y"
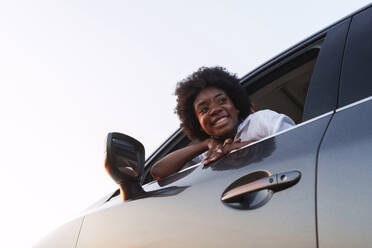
{"x": 124, "y": 162}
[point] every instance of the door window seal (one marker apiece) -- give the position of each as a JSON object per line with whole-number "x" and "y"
{"x": 354, "y": 104}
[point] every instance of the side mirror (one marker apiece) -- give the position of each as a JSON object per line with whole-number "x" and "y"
{"x": 124, "y": 162}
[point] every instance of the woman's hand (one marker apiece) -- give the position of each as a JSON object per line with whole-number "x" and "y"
{"x": 217, "y": 149}
{"x": 230, "y": 145}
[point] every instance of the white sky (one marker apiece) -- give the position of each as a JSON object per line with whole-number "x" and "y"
{"x": 71, "y": 71}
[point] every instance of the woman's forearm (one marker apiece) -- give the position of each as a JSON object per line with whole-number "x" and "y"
{"x": 174, "y": 161}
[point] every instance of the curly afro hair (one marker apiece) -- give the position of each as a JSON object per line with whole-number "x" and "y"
{"x": 187, "y": 90}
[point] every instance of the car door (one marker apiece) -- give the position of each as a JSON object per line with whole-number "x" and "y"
{"x": 188, "y": 210}
{"x": 345, "y": 158}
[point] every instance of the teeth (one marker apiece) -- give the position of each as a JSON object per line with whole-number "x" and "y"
{"x": 221, "y": 120}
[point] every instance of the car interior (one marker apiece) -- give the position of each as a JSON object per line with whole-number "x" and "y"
{"x": 284, "y": 89}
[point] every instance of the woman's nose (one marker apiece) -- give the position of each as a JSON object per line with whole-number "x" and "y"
{"x": 215, "y": 109}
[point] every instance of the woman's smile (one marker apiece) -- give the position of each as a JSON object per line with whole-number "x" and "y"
{"x": 220, "y": 121}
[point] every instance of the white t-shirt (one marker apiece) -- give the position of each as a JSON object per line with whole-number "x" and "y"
{"x": 259, "y": 125}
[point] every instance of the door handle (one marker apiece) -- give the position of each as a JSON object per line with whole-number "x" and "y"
{"x": 275, "y": 182}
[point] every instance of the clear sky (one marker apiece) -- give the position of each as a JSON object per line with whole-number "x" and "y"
{"x": 73, "y": 70}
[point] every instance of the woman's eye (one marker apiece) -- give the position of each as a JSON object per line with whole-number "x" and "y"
{"x": 203, "y": 110}
{"x": 222, "y": 99}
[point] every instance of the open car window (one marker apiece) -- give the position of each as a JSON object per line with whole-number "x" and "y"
{"x": 285, "y": 92}
{"x": 281, "y": 87}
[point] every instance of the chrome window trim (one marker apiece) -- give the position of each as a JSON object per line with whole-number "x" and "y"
{"x": 269, "y": 137}
{"x": 354, "y": 104}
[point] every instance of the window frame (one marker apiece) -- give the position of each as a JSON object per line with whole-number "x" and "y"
{"x": 316, "y": 41}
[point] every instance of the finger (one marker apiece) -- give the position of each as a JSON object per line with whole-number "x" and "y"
{"x": 227, "y": 148}
{"x": 208, "y": 156}
{"x": 209, "y": 153}
{"x": 206, "y": 160}
{"x": 227, "y": 141}
{"x": 218, "y": 155}
{"x": 217, "y": 149}
{"x": 214, "y": 157}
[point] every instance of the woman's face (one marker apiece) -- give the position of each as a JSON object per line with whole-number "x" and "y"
{"x": 216, "y": 112}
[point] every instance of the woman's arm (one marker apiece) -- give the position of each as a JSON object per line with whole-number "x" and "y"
{"x": 174, "y": 161}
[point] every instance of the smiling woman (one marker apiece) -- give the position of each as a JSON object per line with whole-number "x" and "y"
{"x": 216, "y": 113}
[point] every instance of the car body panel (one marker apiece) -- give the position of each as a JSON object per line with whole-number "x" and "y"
{"x": 344, "y": 179}
{"x": 197, "y": 212}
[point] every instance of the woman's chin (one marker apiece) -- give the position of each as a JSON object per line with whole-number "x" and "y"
{"x": 224, "y": 133}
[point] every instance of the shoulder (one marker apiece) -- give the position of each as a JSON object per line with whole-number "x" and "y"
{"x": 267, "y": 114}
{"x": 264, "y": 115}
{"x": 272, "y": 120}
